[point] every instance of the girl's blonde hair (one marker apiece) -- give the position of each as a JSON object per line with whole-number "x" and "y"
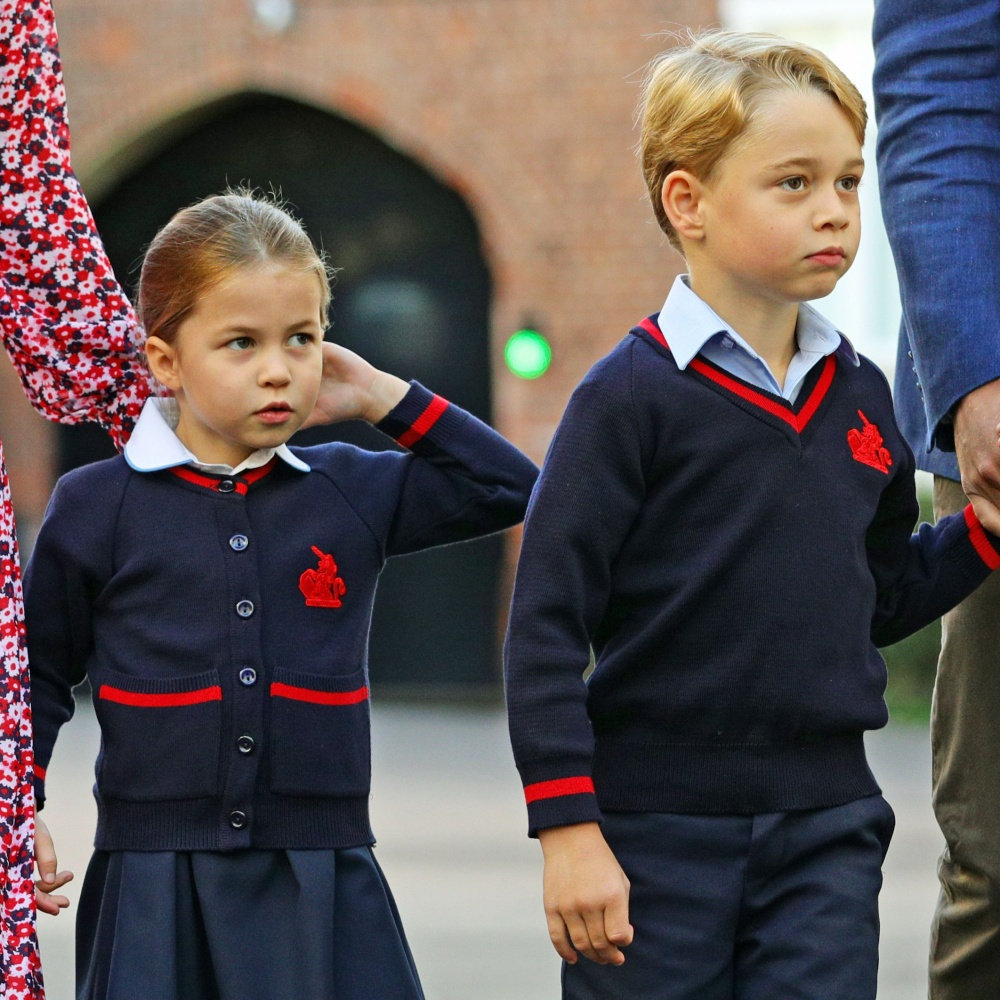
{"x": 699, "y": 98}
{"x": 208, "y": 242}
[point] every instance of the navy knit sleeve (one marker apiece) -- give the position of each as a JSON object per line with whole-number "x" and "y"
{"x": 462, "y": 479}
{"x": 922, "y": 575}
{"x": 71, "y": 557}
{"x": 583, "y": 507}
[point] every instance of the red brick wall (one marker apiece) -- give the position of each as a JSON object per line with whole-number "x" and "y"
{"x": 524, "y": 106}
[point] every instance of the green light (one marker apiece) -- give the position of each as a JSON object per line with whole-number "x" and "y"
{"x": 528, "y": 354}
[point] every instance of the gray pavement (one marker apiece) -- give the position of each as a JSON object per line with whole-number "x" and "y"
{"x": 447, "y": 808}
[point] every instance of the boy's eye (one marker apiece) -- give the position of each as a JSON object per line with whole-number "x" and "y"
{"x": 793, "y": 183}
{"x": 849, "y": 183}
{"x": 301, "y": 339}
{"x": 240, "y": 344}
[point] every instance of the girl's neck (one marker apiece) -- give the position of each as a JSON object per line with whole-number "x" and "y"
{"x": 210, "y": 451}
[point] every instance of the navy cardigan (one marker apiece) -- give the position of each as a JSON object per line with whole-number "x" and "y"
{"x": 223, "y": 624}
{"x": 733, "y": 561}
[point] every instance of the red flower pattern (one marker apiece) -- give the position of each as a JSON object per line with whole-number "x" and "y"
{"x": 74, "y": 340}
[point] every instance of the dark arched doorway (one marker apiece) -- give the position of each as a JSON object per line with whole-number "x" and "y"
{"x": 412, "y": 296}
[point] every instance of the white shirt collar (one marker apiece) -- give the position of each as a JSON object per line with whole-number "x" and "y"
{"x": 688, "y": 323}
{"x": 154, "y": 445}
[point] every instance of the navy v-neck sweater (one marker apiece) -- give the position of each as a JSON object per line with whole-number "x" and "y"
{"x": 223, "y": 624}
{"x": 733, "y": 562}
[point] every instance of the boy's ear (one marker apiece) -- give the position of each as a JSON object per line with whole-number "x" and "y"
{"x": 681, "y": 196}
{"x": 162, "y": 360}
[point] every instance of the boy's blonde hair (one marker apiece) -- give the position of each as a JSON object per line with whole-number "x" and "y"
{"x": 208, "y": 242}
{"x": 699, "y": 98}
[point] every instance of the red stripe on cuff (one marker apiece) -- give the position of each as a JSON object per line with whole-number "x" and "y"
{"x": 40, "y": 772}
{"x": 423, "y": 423}
{"x": 980, "y": 542}
{"x": 138, "y": 700}
{"x": 557, "y": 788}
{"x": 279, "y": 690}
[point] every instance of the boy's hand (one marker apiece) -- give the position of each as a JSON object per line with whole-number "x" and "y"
{"x": 586, "y": 895}
{"x": 352, "y": 389}
{"x": 49, "y": 880}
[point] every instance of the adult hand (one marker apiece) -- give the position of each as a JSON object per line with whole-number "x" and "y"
{"x": 586, "y": 895}
{"x": 977, "y": 445}
{"x": 49, "y": 879}
{"x": 352, "y": 389}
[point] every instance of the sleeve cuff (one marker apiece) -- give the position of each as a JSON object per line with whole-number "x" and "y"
{"x": 987, "y": 545}
{"x": 560, "y": 801}
{"x": 38, "y": 775}
{"x": 421, "y": 420}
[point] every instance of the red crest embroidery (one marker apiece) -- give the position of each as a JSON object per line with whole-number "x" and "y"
{"x": 866, "y": 446}
{"x": 322, "y": 587}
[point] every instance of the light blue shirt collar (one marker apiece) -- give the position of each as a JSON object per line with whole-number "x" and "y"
{"x": 688, "y": 323}
{"x": 154, "y": 445}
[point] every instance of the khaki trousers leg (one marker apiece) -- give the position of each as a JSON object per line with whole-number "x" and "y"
{"x": 965, "y": 739}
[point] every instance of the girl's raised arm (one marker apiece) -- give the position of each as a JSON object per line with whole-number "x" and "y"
{"x": 65, "y": 321}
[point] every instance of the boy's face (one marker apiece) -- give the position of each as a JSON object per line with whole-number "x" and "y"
{"x": 246, "y": 364}
{"x": 780, "y": 213}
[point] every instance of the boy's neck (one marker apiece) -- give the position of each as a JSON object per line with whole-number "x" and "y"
{"x": 766, "y": 325}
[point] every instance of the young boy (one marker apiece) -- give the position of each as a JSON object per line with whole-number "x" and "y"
{"x": 725, "y": 518}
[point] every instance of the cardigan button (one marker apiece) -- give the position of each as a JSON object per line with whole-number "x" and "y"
{"x": 246, "y": 744}
{"x": 226, "y": 486}
{"x": 237, "y": 819}
{"x": 248, "y": 676}
{"x": 239, "y": 542}
{"x": 244, "y": 609}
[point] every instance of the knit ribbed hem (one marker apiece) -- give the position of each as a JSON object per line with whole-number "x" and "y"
{"x": 563, "y": 811}
{"x": 731, "y": 779}
{"x": 421, "y": 420}
{"x": 275, "y": 821}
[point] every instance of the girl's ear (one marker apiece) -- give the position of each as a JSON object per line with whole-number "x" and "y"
{"x": 681, "y": 196}
{"x": 162, "y": 360}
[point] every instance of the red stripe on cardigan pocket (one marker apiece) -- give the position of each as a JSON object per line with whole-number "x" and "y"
{"x": 159, "y": 736}
{"x": 320, "y": 744}
{"x": 141, "y": 700}
{"x": 279, "y": 690}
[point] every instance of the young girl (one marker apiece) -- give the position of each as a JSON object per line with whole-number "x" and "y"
{"x": 216, "y": 588}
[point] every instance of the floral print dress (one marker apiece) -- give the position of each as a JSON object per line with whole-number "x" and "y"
{"x": 74, "y": 340}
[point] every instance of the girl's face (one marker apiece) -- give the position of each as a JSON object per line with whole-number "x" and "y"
{"x": 246, "y": 364}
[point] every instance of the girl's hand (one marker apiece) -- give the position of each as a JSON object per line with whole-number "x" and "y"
{"x": 49, "y": 880}
{"x": 586, "y": 895}
{"x": 352, "y": 389}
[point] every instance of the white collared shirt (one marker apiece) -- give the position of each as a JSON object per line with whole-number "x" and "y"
{"x": 154, "y": 445}
{"x": 692, "y": 327}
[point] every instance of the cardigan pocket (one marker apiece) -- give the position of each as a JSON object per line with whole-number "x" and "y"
{"x": 320, "y": 734}
{"x": 159, "y": 736}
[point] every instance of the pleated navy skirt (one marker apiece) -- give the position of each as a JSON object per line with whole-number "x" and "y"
{"x": 246, "y": 925}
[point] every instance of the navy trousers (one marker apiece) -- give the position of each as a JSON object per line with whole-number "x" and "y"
{"x": 782, "y": 906}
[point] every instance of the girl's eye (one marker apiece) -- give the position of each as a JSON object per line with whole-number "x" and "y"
{"x": 793, "y": 183}
{"x": 301, "y": 339}
{"x": 240, "y": 344}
